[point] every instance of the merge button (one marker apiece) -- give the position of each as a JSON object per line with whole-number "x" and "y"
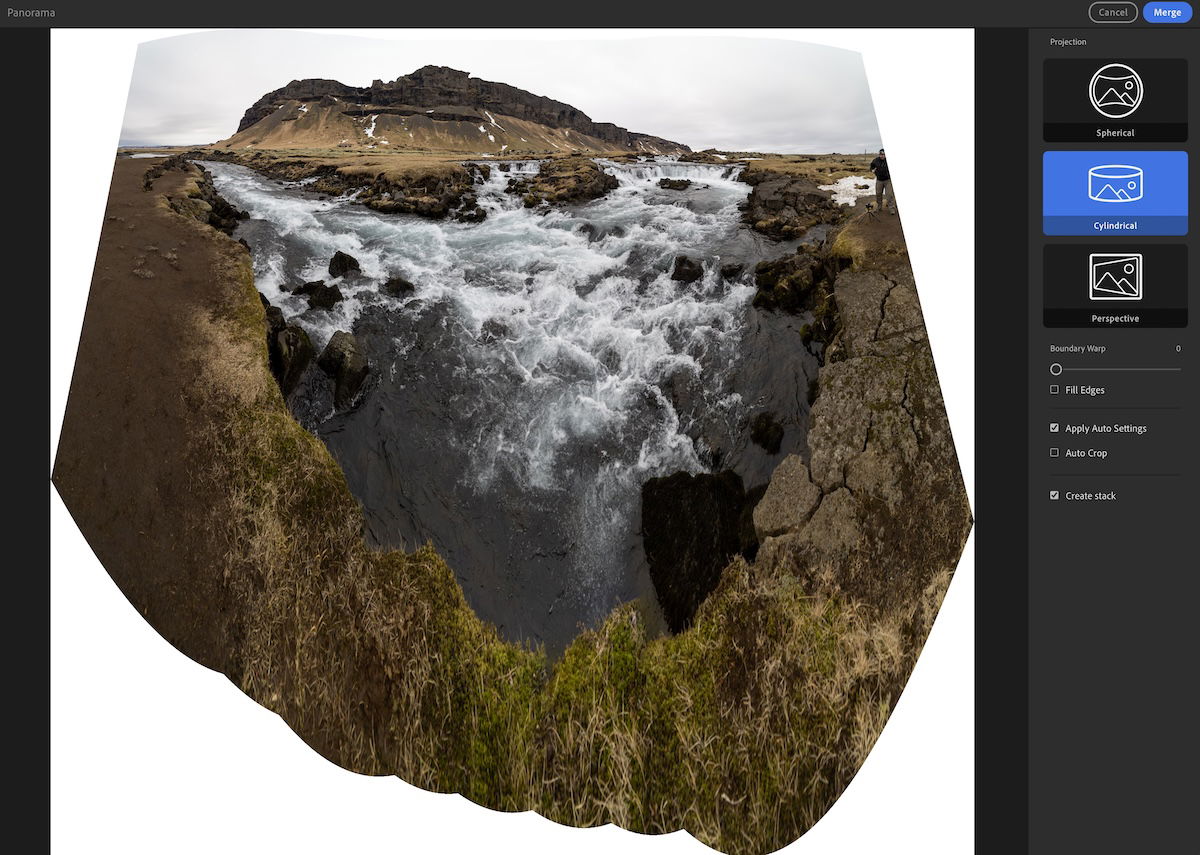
{"x": 1113, "y": 13}
{"x": 1167, "y": 13}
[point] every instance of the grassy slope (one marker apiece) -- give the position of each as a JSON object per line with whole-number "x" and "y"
{"x": 743, "y": 730}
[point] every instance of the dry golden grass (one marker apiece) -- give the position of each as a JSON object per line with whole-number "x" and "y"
{"x": 822, "y": 168}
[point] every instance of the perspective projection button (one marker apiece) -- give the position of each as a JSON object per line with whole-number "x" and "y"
{"x": 1113, "y": 13}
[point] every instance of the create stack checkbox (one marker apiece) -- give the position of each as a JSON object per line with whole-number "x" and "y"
{"x": 1054, "y": 495}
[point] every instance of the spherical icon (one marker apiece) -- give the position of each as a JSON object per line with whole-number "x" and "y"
{"x": 1116, "y": 91}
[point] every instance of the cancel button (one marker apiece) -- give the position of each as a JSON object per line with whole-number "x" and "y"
{"x": 1113, "y": 13}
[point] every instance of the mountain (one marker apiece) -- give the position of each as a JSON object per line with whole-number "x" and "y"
{"x": 1112, "y": 97}
{"x": 434, "y": 108}
{"x": 1111, "y": 284}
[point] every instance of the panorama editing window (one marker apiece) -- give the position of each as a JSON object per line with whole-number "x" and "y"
{"x": 527, "y": 430}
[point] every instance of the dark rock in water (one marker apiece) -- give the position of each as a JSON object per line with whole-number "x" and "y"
{"x": 766, "y": 432}
{"x": 862, "y": 186}
{"x": 290, "y": 351}
{"x": 691, "y": 528}
{"x": 471, "y": 213}
{"x": 397, "y": 286}
{"x": 785, "y": 284}
{"x": 588, "y": 230}
{"x": 731, "y": 271}
{"x": 341, "y": 264}
{"x": 344, "y": 362}
{"x": 320, "y": 295}
{"x": 687, "y": 269}
{"x": 275, "y": 321}
{"x": 684, "y": 390}
{"x": 493, "y": 330}
{"x": 674, "y": 183}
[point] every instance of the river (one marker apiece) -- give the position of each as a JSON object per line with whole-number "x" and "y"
{"x": 545, "y": 366}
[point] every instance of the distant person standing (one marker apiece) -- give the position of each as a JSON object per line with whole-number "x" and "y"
{"x": 883, "y": 182}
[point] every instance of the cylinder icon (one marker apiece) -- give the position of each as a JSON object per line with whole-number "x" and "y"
{"x": 1115, "y": 183}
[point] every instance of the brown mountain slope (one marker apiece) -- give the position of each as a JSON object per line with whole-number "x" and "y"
{"x": 433, "y": 108}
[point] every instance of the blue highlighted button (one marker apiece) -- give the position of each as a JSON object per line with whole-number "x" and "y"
{"x": 1167, "y": 13}
{"x": 1119, "y": 193}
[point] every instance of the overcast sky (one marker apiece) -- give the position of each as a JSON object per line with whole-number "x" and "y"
{"x": 731, "y": 94}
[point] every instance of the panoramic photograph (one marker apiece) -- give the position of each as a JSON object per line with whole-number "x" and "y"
{"x": 549, "y": 423}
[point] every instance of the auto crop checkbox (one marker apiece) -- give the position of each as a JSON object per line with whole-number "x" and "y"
{"x": 1054, "y": 495}
{"x": 1053, "y": 427}
{"x": 1054, "y": 452}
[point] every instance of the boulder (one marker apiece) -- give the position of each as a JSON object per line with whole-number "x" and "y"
{"x": 345, "y": 364}
{"x": 785, "y": 284}
{"x": 674, "y": 183}
{"x": 766, "y": 432}
{"x": 731, "y": 271}
{"x": 289, "y": 350}
{"x": 397, "y": 286}
{"x": 687, "y": 269}
{"x": 320, "y": 295}
{"x": 274, "y": 315}
{"x": 692, "y": 526}
{"x": 493, "y": 330}
{"x": 341, "y": 264}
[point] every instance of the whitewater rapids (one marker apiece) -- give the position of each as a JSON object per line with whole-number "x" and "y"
{"x": 545, "y": 366}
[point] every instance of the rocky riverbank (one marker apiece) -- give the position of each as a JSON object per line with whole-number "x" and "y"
{"x": 876, "y": 509}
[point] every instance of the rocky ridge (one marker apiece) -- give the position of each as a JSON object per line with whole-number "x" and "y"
{"x": 880, "y": 505}
{"x": 434, "y": 102}
{"x": 877, "y": 506}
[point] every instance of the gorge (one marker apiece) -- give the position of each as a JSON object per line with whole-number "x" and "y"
{"x": 534, "y": 370}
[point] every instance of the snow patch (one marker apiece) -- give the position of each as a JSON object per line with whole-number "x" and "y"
{"x": 845, "y": 191}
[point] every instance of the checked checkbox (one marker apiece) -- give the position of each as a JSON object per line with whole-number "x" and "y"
{"x": 1053, "y": 427}
{"x": 1054, "y": 495}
